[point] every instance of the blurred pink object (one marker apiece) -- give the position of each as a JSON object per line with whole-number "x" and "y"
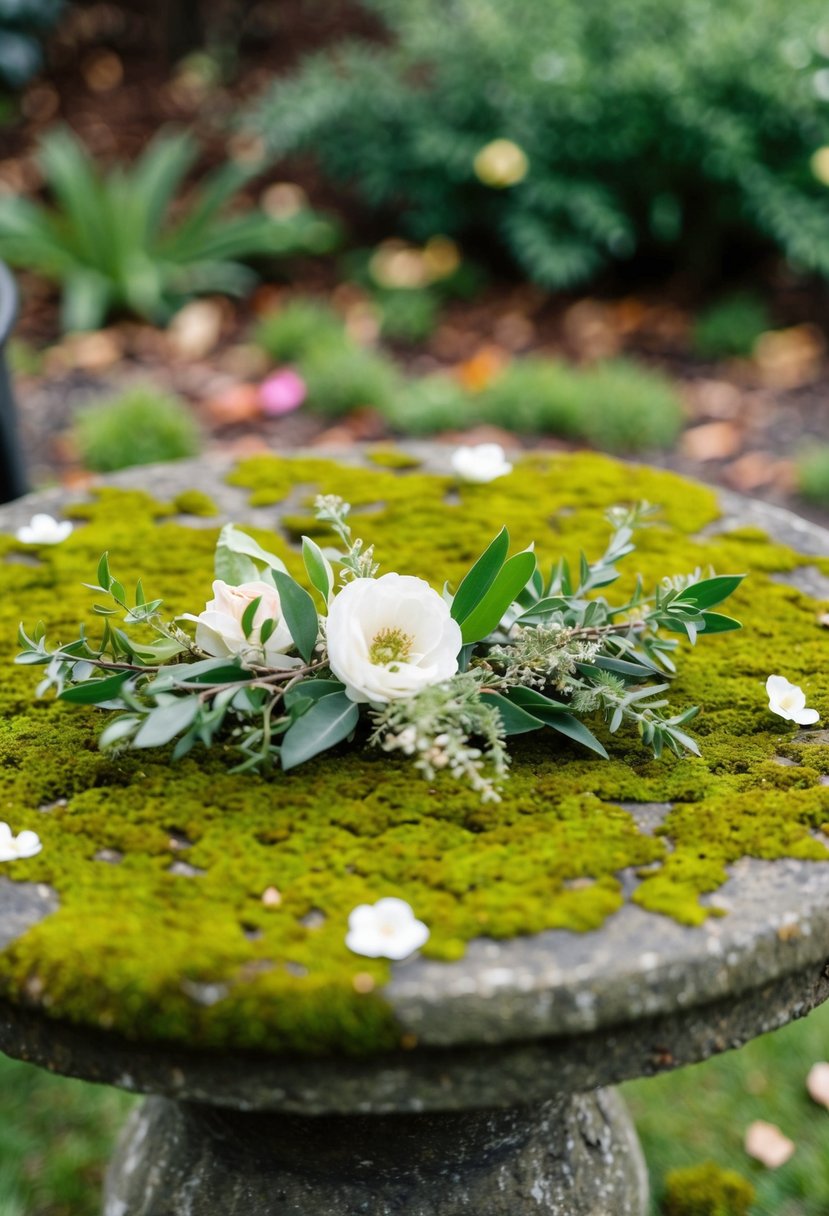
{"x": 282, "y": 392}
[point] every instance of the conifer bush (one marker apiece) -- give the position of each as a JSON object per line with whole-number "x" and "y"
{"x": 575, "y": 134}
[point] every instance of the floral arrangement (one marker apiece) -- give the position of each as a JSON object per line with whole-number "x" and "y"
{"x": 443, "y": 678}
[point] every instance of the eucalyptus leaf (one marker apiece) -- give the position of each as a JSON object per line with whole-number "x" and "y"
{"x": 299, "y": 613}
{"x": 91, "y": 692}
{"x": 241, "y": 559}
{"x": 514, "y": 719}
{"x": 166, "y": 721}
{"x": 326, "y": 723}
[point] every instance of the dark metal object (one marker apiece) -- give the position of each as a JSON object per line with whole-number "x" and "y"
{"x": 12, "y": 469}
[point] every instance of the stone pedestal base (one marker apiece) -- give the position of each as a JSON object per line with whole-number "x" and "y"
{"x": 572, "y": 1157}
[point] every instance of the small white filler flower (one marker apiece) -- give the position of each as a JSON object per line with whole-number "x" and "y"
{"x": 387, "y": 929}
{"x": 390, "y": 637}
{"x": 44, "y": 530}
{"x": 481, "y": 463}
{"x": 788, "y": 701}
{"x": 14, "y": 848}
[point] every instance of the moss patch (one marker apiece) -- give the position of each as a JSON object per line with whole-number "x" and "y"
{"x": 173, "y": 941}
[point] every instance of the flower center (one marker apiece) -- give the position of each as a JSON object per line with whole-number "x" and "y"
{"x": 787, "y": 700}
{"x": 390, "y": 646}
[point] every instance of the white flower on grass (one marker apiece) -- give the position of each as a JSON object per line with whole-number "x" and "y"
{"x": 481, "y": 463}
{"x": 219, "y": 629}
{"x": 14, "y": 848}
{"x": 44, "y": 530}
{"x": 789, "y": 701}
{"x": 390, "y": 637}
{"x": 387, "y": 929}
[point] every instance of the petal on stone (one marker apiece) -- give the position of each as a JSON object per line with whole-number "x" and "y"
{"x": 766, "y": 1143}
{"x": 806, "y": 717}
{"x": 817, "y": 1083}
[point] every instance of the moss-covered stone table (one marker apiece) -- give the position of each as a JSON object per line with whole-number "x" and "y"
{"x": 182, "y": 931}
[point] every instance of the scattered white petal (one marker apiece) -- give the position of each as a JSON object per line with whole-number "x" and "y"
{"x": 788, "y": 701}
{"x": 44, "y": 530}
{"x": 13, "y": 848}
{"x": 817, "y": 1083}
{"x": 767, "y": 1144}
{"x": 481, "y": 463}
{"x": 387, "y": 929}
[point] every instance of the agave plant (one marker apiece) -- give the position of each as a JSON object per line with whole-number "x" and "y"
{"x": 111, "y": 243}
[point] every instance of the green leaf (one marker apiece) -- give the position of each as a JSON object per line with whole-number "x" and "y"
{"x": 715, "y": 622}
{"x": 326, "y": 723}
{"x": 480, "y": 578}
{"x": 91, "y": 692}
{"x": 312, "y": 690}
{"x": 510, "y": 580}
{"x": 710, "y": 591}
{"x": 104, "y": 577}
{"x": 163, "y": 723}
{"x": 567, "y": 724}
{"x": 540, "y": 705}
{"x": 541, "y": 611}
{"x": 241, "y": 559}
{"x": 118, "y": 730}
{"x": 249, "y": 614}
{"x": 318, "y": 567}
{"x": 514, "y": 719}
{"x": 299, "y": 613}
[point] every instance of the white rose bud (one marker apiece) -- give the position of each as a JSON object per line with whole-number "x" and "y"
{"x": 390, "y": 637}
{"x": 219, "y": 628}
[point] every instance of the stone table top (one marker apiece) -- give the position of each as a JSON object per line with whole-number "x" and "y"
{"x": 513, "y": 1016}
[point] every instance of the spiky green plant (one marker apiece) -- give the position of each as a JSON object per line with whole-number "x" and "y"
{"x": 111, "y": 243}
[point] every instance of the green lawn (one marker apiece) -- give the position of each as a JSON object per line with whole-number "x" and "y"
{"x": 55, "y": 1135}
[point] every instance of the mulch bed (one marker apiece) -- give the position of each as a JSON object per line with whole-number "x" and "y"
{"x": 109, "y": 79}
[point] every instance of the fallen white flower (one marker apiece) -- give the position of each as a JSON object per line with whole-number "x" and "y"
{"x": 44, "y": 530}
{"x": 817, "y": 1083}
{"x": 390, "y": 637}
{"x": 14, "y": 848}
{"x": 788, "y": 701}
{"x": 767, "y": 1144}
{"x": 481, "y": 463}
{"x": 387, "y": 929}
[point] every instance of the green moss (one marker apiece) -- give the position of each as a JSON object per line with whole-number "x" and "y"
{"x": 195, "y": 502}
{"x": 389, "y": 457}
{"x": 355, "y": 826}
{"x": 707, "y": 1190}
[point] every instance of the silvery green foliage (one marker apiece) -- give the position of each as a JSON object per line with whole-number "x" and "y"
{"x": 539, "y": 654}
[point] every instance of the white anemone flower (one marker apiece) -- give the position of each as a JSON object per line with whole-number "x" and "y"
{"x": 44, "y": 530}
{"x": 390, "y": 637}
{"x": 387, "y": 929}
{"x": 788, "y": 701}
{"x": 481, "y": 463}
{"x": 219, "y": 629}
{"x": 14, "y": 848}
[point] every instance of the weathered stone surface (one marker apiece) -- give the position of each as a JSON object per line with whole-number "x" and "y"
{"x": 23, "y": 905}
{"x": 568, "y": 1010}
{"x": 573, "y": 1157}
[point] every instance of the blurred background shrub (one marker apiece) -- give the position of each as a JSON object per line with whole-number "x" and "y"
{"x": 110, "y": 242}
{"x": 573, "y": 135}
{"x": 617, "y": 406}
{"x": 142, "y": 425}
{"x": 730, "y": 328}
{"x": 23, "y": 24}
